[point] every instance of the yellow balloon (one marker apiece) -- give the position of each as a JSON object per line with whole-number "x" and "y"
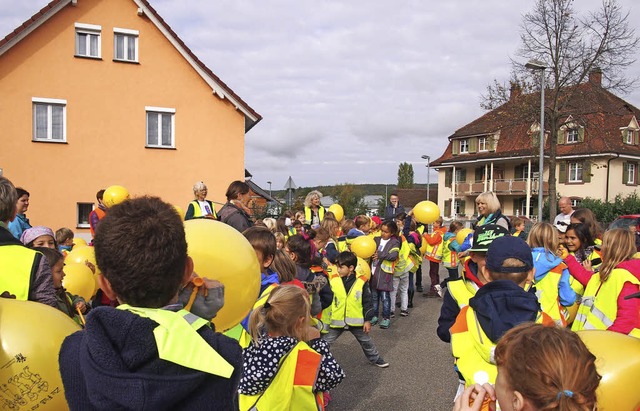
{"x": 78, "y": 280}
{"x": 337, "y": 210}
{"x": 221, "y": 253}
{"x": 571, "y": 313}
{"x": 29, "y": 355}
{"x": 114, "y": 195}
{"x": 463, "y": 234}
{"x": 180, "y": 211}
{"x": 426, "y": 212}
{"x": 363, "y": 246}
{"x": 79, "y": 242}
{"x": 80, "y": 255}
{"x": 363, "y": 269}
{"x": 618, "y": 362}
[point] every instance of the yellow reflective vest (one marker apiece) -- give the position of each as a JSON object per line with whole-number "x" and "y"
{"x": 473, "y": 350}
{"x": 462, "y": 291}
{"x": 17, "y": 264}
{"x": 308, "y": 215}
{"x": 238, "y": 332}
{"x": 599, "y": 307}
{"x": 408, "y": 258}
{"x": 197, "y": 211}
{"x": 547, "y": 293}
{"x": 434, "y": 252}
{"x": 178, "y": 340}
{"x": 292, "y": 387}
{"x": 449, "y": 257}
{"x": 346, "y": 309}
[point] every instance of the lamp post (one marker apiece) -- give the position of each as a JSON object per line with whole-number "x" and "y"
{"x": 269, "y": 182}
{"x": 539, "y": 66}
{"x": 426, "y": 157}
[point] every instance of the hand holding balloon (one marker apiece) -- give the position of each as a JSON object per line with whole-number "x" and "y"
{"x": 202, "y": 296}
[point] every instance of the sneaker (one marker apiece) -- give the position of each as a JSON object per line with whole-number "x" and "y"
{"x": 381, "y": 363}
{"x": 393, "y": 315}
{"x": 404, "y": 313}
{"x": 410, "y": 305}
{"x": 439, "y": 290}
{"x": 374, "y": 321}
{"x": 419, "y": 289}
{"x": 385, "y": 323}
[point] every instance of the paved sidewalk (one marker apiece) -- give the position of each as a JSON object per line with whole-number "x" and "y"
{"x": 420, "y": 375}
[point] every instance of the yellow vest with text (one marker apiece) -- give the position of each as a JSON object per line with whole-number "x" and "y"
{"x": 346, "y": 309}
{"x": 178, "y": 341}
{"x": 292, "y": 387}
{"x": 17, "y": 265}
{"x": 197, "y": 211}
{"x": 472, "y": 348}
{"x": 599, "y": 307}
{"x": 307, "y": 214}
{"x": 547, "y": 293}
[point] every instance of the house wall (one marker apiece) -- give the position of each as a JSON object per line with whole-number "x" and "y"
{"x": 106, "y": 118}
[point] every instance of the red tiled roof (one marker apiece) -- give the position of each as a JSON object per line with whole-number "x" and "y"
{"x": 599, "y": 111}
{"x": 40, "y": 14}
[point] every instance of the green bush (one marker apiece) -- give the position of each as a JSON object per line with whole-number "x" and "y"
{"x": 606, "y": 212}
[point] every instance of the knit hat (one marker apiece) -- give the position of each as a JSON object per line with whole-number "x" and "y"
{"x": 376, "y": 220}
{"x": 507, "y": 247}
{"x": 484, "y": 235}
{"x": 32, "y": 233}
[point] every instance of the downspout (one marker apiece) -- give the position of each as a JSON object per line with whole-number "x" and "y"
{"x": 606, "y": 195}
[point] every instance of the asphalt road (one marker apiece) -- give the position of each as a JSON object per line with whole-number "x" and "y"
{"x": 420, "y": 375}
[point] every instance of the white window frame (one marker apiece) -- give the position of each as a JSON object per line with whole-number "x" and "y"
{"x": 128, "y": 36}
{"x": 456, "y": 208}
{"x": 88, "y": 30}
{"x": 573, "y": 136}
{"x": 80, "y": 223}
{"x": 49, "y": 103}
{"x": 160, "y": 112}
{"x": 575, "y": 172}
{"x": 482, "y": 144}
{"x": 464, "y": 146}
{"x": 631, "y": 173}
{"x": 575, "y": 202}
{"x": 629, "y": 136}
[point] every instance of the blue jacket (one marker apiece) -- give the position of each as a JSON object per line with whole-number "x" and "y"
{"x": 18, "y": 225}
{"x": 113, "y": 364}
{"x": 271, "y": 277}
{"x": 543, "y": 261}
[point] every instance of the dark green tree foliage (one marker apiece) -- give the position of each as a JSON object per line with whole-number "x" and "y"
{"x": 405, "y": 175}
{"x": 606, "y": 212}
{"x": 351, "y": 198}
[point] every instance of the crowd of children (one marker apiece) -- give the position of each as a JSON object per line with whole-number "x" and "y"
{"x": 313, "y": 289}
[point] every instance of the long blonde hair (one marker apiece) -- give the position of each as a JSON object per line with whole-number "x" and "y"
{"x": 618, "y": 245}
{"x": 281, "y": 314}
{"x": 544, "y": 235}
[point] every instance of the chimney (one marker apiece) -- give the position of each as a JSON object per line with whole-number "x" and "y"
{"x": 595, "y": 77}
{"x": 516, "y": 91}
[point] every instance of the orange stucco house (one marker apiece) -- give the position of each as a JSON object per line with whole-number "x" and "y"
{"x": 101, "y": 92}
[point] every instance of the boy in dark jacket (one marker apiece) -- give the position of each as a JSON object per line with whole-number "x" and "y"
{"x": 147, "y": 354}
{"x": 352, "y": 309}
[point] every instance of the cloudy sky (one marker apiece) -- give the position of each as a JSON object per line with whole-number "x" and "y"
{"x": 348, "y": 89}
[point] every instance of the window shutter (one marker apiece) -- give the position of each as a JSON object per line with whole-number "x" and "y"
{"x": 479, "y": 171}
{"x": 624, "y": 135}
{"x": 463, "y": 176}
{"x": 562, "y": 133}
{"x": 563, "y": 172}
{"x": 625, "y": 172}
{"x": 447, "y": 177}
{"x": 473, "y": 145}
{"x": 586, "y": 172}
{"x": 635, "y": 177}
{"x": 581, "y": 134}
{"x": 635, "y": 137}
{"x": 491, "y": 143}
{"x": 455, "y": 147}
{"x": 447, "y": 208}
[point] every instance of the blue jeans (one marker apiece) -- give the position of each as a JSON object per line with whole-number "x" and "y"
{"x": 364, "y": 339}
{"x": 377, "y": 295}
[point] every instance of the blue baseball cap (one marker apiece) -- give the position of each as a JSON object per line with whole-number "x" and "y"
{"x": 506, "y": 247}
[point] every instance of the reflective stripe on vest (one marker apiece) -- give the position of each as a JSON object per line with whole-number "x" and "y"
{"x": 197, "y": 211}
{"x": 292, "y": 387}
{"x": 346, "y": 309}
{"x": 307, "y": 214}
{"x": 599, "y": 307}
{"x": 17, "y": 265}
{"x": 547, "y": 293}
{"x": 462, "y": 291}
{"x": 449, "y": 257}
{"x": 178, "y": 340}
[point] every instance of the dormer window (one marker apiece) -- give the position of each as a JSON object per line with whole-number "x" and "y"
{"x": 573, "y": 135}
{"x": 482, "y": 144}
{"x": 630, "y": 136}
{"x": 464, "y": 146}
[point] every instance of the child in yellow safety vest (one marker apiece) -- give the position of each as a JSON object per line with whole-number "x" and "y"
{"x": 497, "y": 307}
{"x": 287, "y": 366}
{"x": 409, "y": 261}
{"x": 450, "y": 248}
{"x": 352, "y": 309}
{"x": 433, "y": 254}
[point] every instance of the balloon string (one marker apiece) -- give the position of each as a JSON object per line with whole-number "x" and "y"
{"x": 81, "y": 316}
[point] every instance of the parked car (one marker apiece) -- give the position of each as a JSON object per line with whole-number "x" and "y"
{"x": 624, "y": 221}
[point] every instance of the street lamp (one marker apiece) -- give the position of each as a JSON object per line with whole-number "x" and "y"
{"x": 426, "y": 157}
{"x": 536, "y": 65}
{"x": 269, "y": 182}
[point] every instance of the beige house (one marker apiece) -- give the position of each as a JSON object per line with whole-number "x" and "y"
{"x": 598, "y": 154}
{"x": 103, "y": 92}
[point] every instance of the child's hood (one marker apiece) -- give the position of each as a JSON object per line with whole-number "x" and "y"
{"x": 501, "y": 305}
{"x": 121, "y": 368}
{"x": 544, "y": 261}
{"x": 448, "y": 235}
